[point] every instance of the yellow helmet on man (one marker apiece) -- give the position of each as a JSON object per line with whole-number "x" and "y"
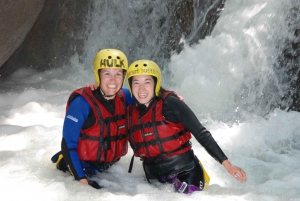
{"x": 109, "y": 58}
{"x": 145, "y": 67}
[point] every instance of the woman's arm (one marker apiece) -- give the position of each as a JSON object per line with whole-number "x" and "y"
{"x": 177, "y": 111}
{"x": 74, "y": 120}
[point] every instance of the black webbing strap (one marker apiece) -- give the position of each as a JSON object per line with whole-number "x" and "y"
{"x": 101, "y": 123}
{"x": 140, "y": 145}
{"x": 161, "y": 156}
{"x": 146, "y": 125}
{"x": 104, "y": 142}
{"x": 131, "y": 137}
{"x": 131, "y": 164}
{"x": 123, "y": 101}
{"x": 157, "y": 158}
{"x": 158, "y": 140}
{"x": 113, "y": 138}
{"x": 132, "y": 140}
{"x": 144, "y": 138}
{"x": 114, "y": 118}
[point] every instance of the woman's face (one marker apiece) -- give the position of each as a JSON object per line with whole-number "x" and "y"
{"x": 111, "y": 80}
{"x": 143, "y": 88}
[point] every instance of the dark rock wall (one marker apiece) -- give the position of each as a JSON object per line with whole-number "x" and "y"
{"x": 290, "y": 61}
{"x": 56, "y": 35}
{"x": 61, "y": 30}
{"x": 17, "y": 18}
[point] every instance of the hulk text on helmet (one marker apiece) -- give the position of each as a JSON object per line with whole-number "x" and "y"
{"x": 145, "y": 67}
{"x": 109, "y": 58}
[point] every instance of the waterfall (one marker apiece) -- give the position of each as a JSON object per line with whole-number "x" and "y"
{"x": 235, "y": 71}
{"x": 143, "y": 29}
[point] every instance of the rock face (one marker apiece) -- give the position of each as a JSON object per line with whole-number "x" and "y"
{"x": 17, "y": 18}
{"x": 61, "y": 30}
{"x": 56, "y": 35}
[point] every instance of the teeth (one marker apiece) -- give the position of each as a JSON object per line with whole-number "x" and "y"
{"x": 142, "y": 95}
{"x": 112, "y": 86}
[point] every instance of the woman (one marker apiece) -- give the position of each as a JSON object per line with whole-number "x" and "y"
{"x": 94, "y": 130}
{"x": 160, "y": 127}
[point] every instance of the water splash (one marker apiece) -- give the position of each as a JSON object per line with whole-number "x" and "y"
{"x": 142, "y": 29}
{"x": 232, "y": 73}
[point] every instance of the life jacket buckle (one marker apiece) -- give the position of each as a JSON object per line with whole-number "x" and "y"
{"x": 152, "y": 142}
{"x": 176, "y": 136}
{"x": 182, "y": 187}
{"x": 101, "y": 122}
{"x": 119, "y": 117}
{"x": 147, "y": 125}
{"x": 83, "y": 136}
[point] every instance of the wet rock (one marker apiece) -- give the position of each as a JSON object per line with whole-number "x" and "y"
{"x": 17, "y": 19}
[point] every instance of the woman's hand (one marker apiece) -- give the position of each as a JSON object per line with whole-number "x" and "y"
{"x": 92, "y": 86}
{"x": 181, "y": 98}
{"x": 84, "y": 181}
{"x": 236, "y": 172}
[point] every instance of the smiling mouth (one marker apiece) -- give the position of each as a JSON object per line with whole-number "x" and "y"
{"x": 112, "y": 86}
{"x": 142, "y": 95}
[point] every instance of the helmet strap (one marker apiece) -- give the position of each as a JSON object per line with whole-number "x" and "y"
{"x": 107, "y": 96}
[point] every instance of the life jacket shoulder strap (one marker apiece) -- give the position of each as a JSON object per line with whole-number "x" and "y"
{"x": 167, "y": 93}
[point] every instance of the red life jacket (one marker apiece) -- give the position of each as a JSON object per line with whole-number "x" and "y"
{"x": 152, "y": 136}
{"x": 107, "y": 140}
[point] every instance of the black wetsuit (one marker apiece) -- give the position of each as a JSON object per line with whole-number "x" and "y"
{"x": 185, "y": 165}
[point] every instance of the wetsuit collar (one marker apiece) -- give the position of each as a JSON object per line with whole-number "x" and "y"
{"x": 108, "y": 104}
{"x": 142, "y": 107}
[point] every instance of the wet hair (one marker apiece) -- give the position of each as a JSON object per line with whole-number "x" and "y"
{"x": 161, "y": 93}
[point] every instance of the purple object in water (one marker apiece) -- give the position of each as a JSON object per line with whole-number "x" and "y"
{"x": 183, "y": 187}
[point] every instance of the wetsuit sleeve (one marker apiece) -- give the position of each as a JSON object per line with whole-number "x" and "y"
{"x": 75, "y": 116}
{"x": 177, "y": 111}
{"x": 128, "y": 97}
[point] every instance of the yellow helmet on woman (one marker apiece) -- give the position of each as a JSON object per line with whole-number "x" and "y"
{"x": 109, "y": 58}
{"x": 145, "y": 67}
